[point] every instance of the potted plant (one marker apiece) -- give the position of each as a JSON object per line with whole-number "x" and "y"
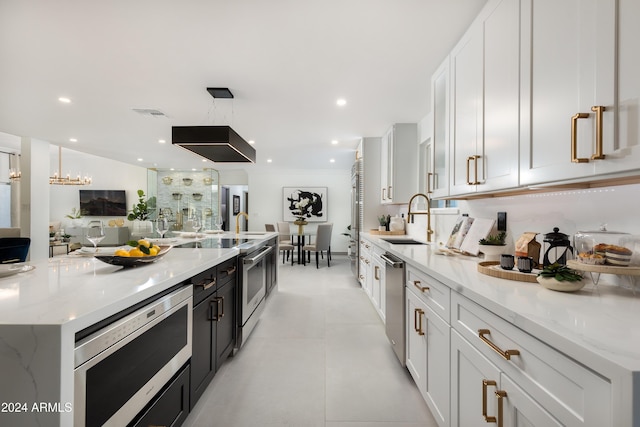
{"x": 139, "y": 215}
{"x": 382, "y": 220}
{"x": 492, "y": 246}
{"x": 559, "y": 277}
{"x": 75, "y": 216}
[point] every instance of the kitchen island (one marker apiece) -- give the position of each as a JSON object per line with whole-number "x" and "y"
{"x": 562, "y": 337}
{"x": 42, "y": 310}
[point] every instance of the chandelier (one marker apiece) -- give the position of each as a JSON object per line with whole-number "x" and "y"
{"x": 14, "y": 167}
{"x": 66, "y": 180}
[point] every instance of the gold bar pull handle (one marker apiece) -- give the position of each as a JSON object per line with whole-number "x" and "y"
{"x": 475, "y": 176}
{"x": 574, "y": 138}
{"x": 485, "y": 384}
{"x": 415, "y": 319}
{"x": 506, "y": 354}
{"x": 389, "y": 194}
{"x": 420, "y": 313}
{"x": 500, "y": 394}
{"x": 429, "y": 180}
{"x": 376, "y": 271}
{"x": 468, "y": 162}
{"x": 416, "y": 283}
{"x": 384, "y": 194}
{"x": 598, "y": 109}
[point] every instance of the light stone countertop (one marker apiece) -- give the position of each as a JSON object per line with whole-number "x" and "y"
{"x": 599, "y": 326}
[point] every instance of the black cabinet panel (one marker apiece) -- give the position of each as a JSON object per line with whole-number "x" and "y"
{"x": 171, "y": 407}
{"x": 225, "y": 338}
{"x": 202, "y": 359}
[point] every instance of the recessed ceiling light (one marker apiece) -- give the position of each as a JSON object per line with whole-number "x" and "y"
{"x": 73, "y": 140}
{"x": 161, "y": 141}
{"x": 334, "y": 142}
{"x": 140, "y": 159}
{"x": 193, "y": 169}
{"x": 332, "y": 161}
{"x": 64, "y": 100}
{"x": 269, "y": 160}
{"x": 341, "y": 102}
{"x": 204, "y": 160}
{"x": 251, "y": 141}
{"x": 171, "y": 169}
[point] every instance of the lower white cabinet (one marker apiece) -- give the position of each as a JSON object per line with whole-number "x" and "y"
{"x": 378, "y": 290}
{"x": 428, "y": 355}
{"x": 482, "y": 394}
{"x": 553, "y": 388}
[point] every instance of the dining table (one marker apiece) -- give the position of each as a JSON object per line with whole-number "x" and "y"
{"x": 302, "y": 240}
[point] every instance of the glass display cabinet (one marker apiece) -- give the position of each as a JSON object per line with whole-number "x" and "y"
{"x": 179, "y": 194}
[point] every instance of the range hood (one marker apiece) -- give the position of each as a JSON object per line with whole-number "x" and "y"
{"x": 217, "y": 143}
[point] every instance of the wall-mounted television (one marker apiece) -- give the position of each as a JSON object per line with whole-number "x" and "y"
{"x": 103, "y": 202}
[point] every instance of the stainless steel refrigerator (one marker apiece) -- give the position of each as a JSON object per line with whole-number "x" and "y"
{"x": 357, "y": 215}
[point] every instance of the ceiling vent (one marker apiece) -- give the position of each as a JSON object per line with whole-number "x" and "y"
{"x": 149, "y": 112}
{"x": 218, "y": 143}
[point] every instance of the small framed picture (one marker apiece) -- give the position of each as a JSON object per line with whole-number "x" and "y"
{"x": 236, "y": 205}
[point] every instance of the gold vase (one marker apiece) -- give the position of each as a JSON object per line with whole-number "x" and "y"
{"x": 300, "y": 223}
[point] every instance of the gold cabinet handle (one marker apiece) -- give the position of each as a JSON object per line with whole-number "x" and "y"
{"x": 429, "y": 179}
{"x": 389, "y": 194}
{"x": 231, "y": 270}
{"x": 417, "y": 320}
{"x": 475, "y": 158}
{"x": 574, "y": 138}
{"x": 416, "y": 283}
{"x": 598, "y": 109}
{"x": 485, "y": 384}
{"x": 500, "y": 394}
{"x": 376, "y": 272}
{"x": 506, "y": 354}
{"x": 384, "y": 194}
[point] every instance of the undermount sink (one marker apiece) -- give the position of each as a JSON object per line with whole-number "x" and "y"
{"x": 404, "y": 242}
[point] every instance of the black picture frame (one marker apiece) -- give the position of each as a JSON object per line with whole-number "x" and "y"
{"x": 236, "y": 205}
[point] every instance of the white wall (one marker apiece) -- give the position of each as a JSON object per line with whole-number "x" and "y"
{"x": 106, "y": 174}
{"x": 265, "y": 198}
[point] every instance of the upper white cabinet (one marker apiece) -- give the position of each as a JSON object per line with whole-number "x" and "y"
{"x": 437, "y": 178}
{"x": 399, "y": 163}
{"x": 623, "y": 152}
{"x": 568, "y": 51}
{"x": 484, "y": 102}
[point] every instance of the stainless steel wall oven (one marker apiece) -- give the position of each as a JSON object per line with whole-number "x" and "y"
{"x": 253, "y": 288}
{"x": 122, "y": 365}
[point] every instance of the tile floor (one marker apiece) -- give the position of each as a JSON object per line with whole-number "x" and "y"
{"x": 319, "y": 356}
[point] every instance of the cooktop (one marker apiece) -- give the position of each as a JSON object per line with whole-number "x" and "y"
{"x": 213, "y": 243}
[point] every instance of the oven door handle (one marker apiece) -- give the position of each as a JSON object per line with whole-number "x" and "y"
{"x": 254, "y": 259}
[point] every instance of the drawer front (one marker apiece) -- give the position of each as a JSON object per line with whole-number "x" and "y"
{"x": 227, "y": 271}
{"x": 204, "y": 284}
{"x": 436, "y": 295}
{"x": 573, "y": 394}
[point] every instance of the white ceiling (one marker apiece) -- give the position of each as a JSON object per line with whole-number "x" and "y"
{"x": 286, "y": 62}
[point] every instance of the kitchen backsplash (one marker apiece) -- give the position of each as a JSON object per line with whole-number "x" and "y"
{"x": 571, "y": 211}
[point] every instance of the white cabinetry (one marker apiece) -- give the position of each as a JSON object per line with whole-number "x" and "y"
{"x": 427, "y": 341}
{"x": 484, "y": 102}
{"x": 364, "y": 277}
{"x": 623, "y": 152}
{"x": 568, "y": 51}
{"x": 378, "y": 290}
{"x": 559, "y": 391}
{"x": 399, "y": 163}
{"x": 437, "y": 178}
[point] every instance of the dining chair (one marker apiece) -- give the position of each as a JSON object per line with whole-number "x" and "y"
{"x": 269, "y": 227}
{"x": 323, "y": 243}
{"x": 285, "y": 241}
{"x": 14, "y": 249}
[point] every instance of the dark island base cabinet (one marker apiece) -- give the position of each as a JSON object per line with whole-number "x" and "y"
{"x": 214, "y": 318}
{"x": 171, "y": 407}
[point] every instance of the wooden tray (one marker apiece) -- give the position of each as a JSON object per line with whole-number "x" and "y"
{"x": 608, "y": 269}
{"x": 395, "y": 233}
{"x": 488, "y": 268}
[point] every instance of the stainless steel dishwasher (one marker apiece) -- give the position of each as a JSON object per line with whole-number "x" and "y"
{"x": 395, "y": 304}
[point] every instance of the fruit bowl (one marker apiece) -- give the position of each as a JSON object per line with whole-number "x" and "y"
{"x": 131, "y": 261}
